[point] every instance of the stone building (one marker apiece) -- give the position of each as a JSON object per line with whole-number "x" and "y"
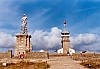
{"x": 23, "y": 44}
{"x": 65, "y": 34}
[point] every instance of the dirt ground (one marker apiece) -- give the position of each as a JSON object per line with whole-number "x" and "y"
{"x": 61, "y": 62}
{"x": 64, "y": 62}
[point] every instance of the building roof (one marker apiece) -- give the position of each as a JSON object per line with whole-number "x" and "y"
{"x": 65, "y": 28}
{"x": 65, "y": 31}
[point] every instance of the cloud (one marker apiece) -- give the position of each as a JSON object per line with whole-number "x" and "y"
{"x": 46, "y": 40}
{"x": 6, "y": 40}
{"x": 83, "y": 38}
{"x": 40, "y": 39}
{"x": 86, "y": 41}
{"x": 85, "y": 9}
{"x": 52, "y": 40}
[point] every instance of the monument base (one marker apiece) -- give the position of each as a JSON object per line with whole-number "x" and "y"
{"x": 22, "y": 44}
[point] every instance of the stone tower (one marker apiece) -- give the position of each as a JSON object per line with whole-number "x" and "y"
{"x": 65, "y": 39}
{"x": 23, "y": 44}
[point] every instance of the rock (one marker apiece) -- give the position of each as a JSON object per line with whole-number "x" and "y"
{"x": 4, "y": 64}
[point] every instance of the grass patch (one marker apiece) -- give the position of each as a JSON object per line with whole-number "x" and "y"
{"x": 26, "y": 65}
{"x": 91, "y": 61}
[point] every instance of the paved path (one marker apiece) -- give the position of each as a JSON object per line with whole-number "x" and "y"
{"x": 64, "y": 62}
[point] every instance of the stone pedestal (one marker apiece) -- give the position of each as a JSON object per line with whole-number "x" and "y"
{"x": 23, "y": 44}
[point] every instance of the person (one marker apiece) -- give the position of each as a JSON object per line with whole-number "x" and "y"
{"x": 19, "y": 55}
{"x": 68, "y": 53}
{"x": 23, "y": 55}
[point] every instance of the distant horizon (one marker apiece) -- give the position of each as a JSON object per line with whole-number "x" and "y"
{"x": 50, "y": 51}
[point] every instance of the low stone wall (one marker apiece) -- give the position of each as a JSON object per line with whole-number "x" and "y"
{"x": 57, "y": 55}
{"x": 37, "y": 55}
{"x": 6, "y": 54}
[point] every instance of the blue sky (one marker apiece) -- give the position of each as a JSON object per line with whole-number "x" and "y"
{"x": 82, "y": 16}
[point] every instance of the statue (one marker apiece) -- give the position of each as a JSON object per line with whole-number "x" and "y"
{"x": 24, "y": 25}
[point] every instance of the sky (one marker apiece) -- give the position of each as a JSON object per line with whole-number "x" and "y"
{"x": 45, "y": 23}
